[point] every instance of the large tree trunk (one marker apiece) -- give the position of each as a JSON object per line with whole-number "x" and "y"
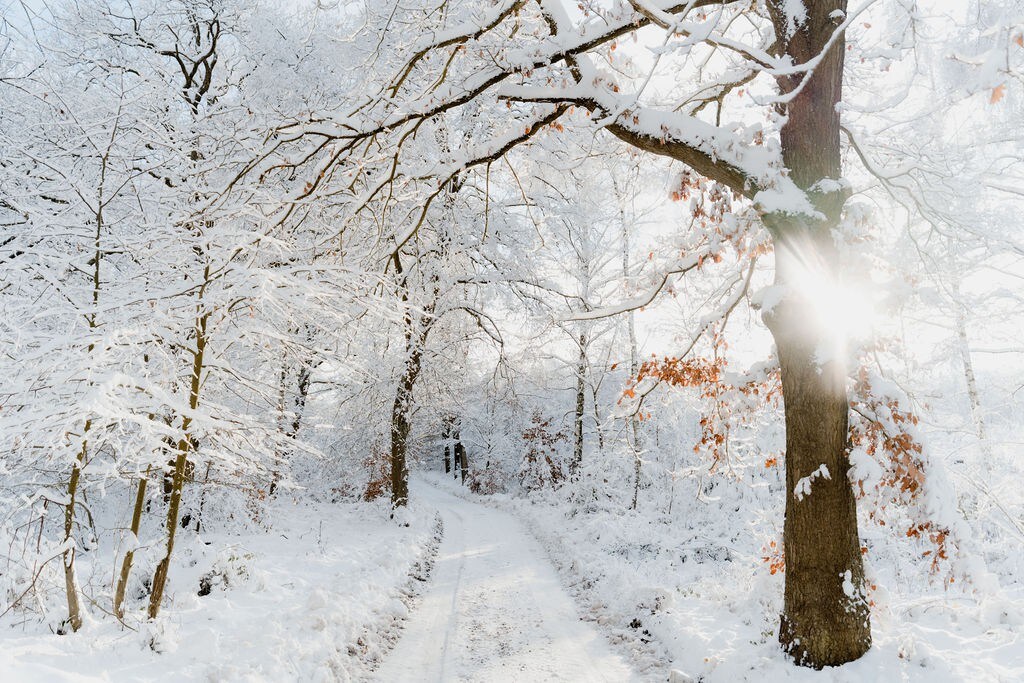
{"x": 826, "y": 620}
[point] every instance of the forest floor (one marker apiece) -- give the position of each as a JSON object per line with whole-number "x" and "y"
{"x": 495, "y": 609}
{"x": 317, "y": 593}
{"x": 489, "y": 588}
{"x": 687, "y": 592}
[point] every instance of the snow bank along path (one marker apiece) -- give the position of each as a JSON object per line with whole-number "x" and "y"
{"x": 494, "y": 609}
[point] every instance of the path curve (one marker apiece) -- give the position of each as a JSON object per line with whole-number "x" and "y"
{"x": 494, "y": 609}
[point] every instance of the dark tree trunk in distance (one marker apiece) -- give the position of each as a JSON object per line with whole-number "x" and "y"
{"x": 460, "y": 455}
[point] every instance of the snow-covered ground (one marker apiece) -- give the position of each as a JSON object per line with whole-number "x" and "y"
{"x": 495, "y": 609}
{"x": 678, "y": 595}
{"x": 498, "y": 588}
{"x": 319, "y": 596}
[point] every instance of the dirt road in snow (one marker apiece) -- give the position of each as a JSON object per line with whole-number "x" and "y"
{"x": 494, "y": 610}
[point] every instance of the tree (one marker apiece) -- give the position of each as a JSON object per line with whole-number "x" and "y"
{"x": 147, "y": 306}
{"x": 795, "y": 184}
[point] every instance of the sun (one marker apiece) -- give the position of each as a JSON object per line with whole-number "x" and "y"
{"x": 839, "y": 310}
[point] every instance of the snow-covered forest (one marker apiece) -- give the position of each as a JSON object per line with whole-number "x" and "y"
{"x": 511, "y": 340}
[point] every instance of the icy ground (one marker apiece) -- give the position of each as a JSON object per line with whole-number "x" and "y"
{"x": 495, "y": 610}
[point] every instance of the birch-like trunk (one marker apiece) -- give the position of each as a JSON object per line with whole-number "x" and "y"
{"x": 973, "y": 396}
{"x": 581, "y": 396}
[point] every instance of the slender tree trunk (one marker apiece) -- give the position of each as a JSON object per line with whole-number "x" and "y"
{"x": 581, "y": 386}
{"x": 826, "y": 620}
{"x": 301, "y": 395}
{"x": 972, "y": 388}
{"x": 302, "y": 382}
{"x": 456, "y": 463}
{"x": 446, "y": 436}
{"x": 126, "y": 563}
{"x": 416, "y": 332}
{"x": 185, "y": 446}
{"x": 291, "y": 432}
{"x": 70, "y": 578}
{"x": 460, "y": 455}
{"x": 401, "y": 411}
{"x": 634, "y": 365}
{"x": 634, "y": 369}
{"x": 595, "y": 390}
{"x": 282, "y": 382}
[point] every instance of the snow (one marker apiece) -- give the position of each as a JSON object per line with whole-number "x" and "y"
{"x": 796, "y": 13}
{"x": 848, "y": 588}
{"x": 786, "y": 198}
{"x": 495, "y": 609}
{"x": 318, "y": 596}
{"x": 803, "y": 485}
{"x": 685, "y": 598}
{"x": 767, "y": 298}
{"x": 574, "y": 575}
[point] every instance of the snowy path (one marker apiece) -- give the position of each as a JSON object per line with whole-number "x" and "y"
{"x": 494, "y": 610}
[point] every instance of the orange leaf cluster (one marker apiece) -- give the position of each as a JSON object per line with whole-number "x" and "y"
{"x": 711, "y": 204}
{"x": 378, "y": 465}
{"x": 774, "y": 557}
{"x": 894, "y": 447}
{"x": 724, "y": 406}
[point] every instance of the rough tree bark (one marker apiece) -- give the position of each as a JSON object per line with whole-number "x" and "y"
{"x": 400, "y": 426}
{"x": 826, "y": 620}
{"x": 417, "y": 328}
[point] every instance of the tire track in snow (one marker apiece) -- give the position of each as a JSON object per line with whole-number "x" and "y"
{"x": 495, "y": 610}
